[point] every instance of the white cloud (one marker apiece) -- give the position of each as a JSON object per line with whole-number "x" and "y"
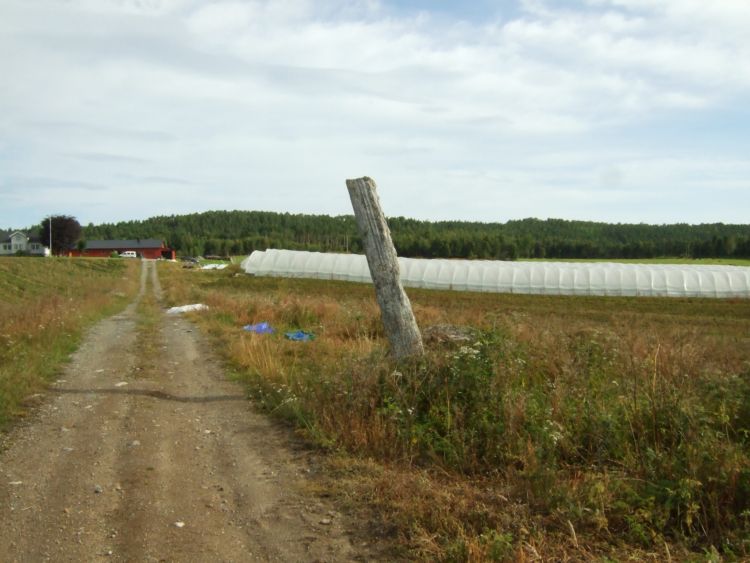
{"x": 271, "y": 104}
{"x": 132, "y": 7}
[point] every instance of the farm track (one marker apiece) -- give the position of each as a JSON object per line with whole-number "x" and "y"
{"x": 146, "y": 453}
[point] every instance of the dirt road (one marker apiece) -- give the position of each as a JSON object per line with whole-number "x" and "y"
{"x": 146, "y": 453}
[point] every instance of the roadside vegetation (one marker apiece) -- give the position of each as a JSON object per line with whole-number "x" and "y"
{"x": 563, "y": 427}
{"x": 45, "y": 304}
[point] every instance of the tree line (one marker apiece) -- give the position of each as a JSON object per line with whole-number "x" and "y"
{"x": 241, "y": 232}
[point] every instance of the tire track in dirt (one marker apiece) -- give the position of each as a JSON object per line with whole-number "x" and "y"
{"x": 151, "y": 455}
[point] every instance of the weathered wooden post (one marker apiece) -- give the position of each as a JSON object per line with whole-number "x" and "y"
{"x": 395, "y": 308}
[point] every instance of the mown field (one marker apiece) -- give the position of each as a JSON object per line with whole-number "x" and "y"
{"x": 45, "y": 304}
{"x": 565, "y": 428}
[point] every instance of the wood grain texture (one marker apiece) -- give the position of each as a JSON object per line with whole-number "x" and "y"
{"x": 398, "y": 318}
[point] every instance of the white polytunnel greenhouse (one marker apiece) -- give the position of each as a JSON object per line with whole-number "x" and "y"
{"x": 544, "y": 278}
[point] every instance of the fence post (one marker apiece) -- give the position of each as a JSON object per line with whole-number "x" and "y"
{"x": 395, "y": 308}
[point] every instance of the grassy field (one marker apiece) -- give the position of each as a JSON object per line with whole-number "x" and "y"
{"x": 685, "y": 261}
{"x": 44, "y": 306}
{"x": 564, "y": 428}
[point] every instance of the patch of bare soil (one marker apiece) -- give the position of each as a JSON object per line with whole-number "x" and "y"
{"x": 147, "y": 453}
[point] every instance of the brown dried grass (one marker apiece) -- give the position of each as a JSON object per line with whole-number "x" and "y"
{"x": 563, "y": 491}
{"x": 44, "y": 306}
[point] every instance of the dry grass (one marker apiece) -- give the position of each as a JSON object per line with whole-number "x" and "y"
{"x": 569, "y": 428}
{"x": 44, "y": 306}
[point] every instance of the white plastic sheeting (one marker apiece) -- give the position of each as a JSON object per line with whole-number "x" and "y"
{"x": 186, "y": 308}
{"x": 550, "y": 278}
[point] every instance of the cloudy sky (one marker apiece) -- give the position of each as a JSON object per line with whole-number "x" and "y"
{"x": 611, "y": 110}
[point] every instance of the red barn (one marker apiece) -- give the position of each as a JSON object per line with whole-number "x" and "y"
{"x": 144, "y": 248}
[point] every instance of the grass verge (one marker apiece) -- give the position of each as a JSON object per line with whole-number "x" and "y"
{"x": 561, "y": 428}
{"x": 46, "y": 304}
{"x": 148, "y": 333}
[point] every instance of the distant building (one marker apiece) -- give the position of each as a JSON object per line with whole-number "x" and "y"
{"x": 15, "y": 242}
{"x": 144, "y": 248}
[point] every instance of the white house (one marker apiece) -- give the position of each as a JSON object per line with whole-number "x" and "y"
{"x": 13, "y": 242}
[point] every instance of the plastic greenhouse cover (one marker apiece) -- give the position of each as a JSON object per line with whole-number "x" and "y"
{"x": 549, "y": 278}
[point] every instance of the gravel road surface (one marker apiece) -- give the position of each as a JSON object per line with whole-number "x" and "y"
{"x": 147, "y": 453}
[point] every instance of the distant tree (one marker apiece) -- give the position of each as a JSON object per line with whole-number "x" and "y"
{"x": 66, "y": 231}
{"x": 217, "y": 232}
{"x": 538, "y": 251}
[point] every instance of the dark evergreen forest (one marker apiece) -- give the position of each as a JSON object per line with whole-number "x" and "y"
{"x": 241, "y": 232}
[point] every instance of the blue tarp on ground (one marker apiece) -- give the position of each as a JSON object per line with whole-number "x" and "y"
{"x": 300, "y": 335}
{"x": 260, "y": 328}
